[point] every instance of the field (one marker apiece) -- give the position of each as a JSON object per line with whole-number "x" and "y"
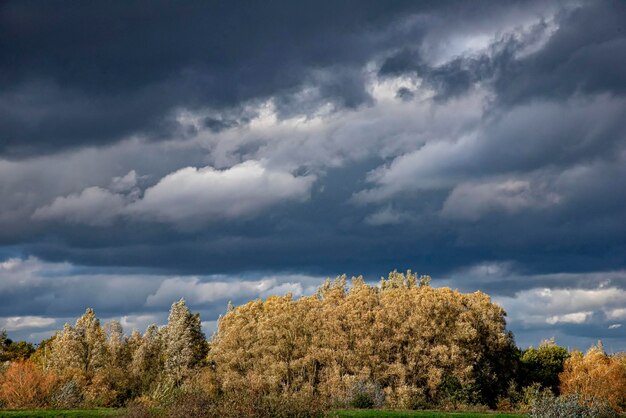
{"x": 350, "y": 413}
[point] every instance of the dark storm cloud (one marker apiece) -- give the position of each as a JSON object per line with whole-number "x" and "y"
{"x": 76, "y": 73}
{"x": 223, "y": 151}
{"x": 585, "y": 55}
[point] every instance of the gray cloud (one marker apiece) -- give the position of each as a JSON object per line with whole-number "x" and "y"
{"x": 151, "y": 152}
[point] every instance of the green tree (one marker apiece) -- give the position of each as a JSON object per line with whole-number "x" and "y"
{"x": 543, "y": 365}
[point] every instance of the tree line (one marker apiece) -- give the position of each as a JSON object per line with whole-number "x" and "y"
{"x": 402, "y": 344}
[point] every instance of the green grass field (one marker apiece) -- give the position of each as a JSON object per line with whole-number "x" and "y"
{"x": 61, "y": 413}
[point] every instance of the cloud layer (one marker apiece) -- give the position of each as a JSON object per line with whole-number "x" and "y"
{"x": 156, "y": 150}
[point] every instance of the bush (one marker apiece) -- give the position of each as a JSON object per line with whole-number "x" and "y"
{"x": 406, "y": 397}
{"x": 568, "y": 406}
{"x": 196, "y": 404}
{"x": 366, "y": 394}
{"x": 164, "y": 393}
{"x": 25, "y": 385}
{"x": 137, "y": 409}
{"x": 451, "y": 394}
{"x": 67, "y": 396}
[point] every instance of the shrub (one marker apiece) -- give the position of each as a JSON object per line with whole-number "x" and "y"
{"x": 196, "y": 404}
{"x": 406, "y": 397}
{"x": 164, "y": 392}
{"x": 452, "y": 394}
{"x": 366, "y": 394}
{"x": 67, "y": 396}
{"x": 568, "y": 406}
{"x": 137, "y": 408}
{"x": 25, "y": 385}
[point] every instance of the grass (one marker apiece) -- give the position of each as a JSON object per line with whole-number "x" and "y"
{"x": 61, "y": 413}
{"x": 376, "y": 413}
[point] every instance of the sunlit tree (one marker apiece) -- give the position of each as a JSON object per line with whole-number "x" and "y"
{"x": 404, "y": 336}
{"x": 184, "y": 344}
{"x": 596, "y": 376}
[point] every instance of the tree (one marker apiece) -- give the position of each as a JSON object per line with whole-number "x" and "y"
{"x": 116, "y": 344}
{"x": 81, "y": 349}
{"x": 415, "y": 342}
{"x": 14, "y": 350}
{"x": 184, "y": 344}
{"x": 596, "y": 376}
{"x": 147, "y": 359}
{"x": 4, "y": 342}
{"x": 543, "y": 365}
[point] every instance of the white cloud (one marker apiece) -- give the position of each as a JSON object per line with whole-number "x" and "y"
{"x": 138, "y": 322}
{"x": 570, "y": 318}
{"x": 619, "y": 313}
{"x": 185, "y": 197}
{"x": 487, "y": 149}
{"x": 16, "y": 323}
{"x": 124, "y": 183}
{"x": 615, "y": 326}
{"x": 549, "y": 305}
{"x": 205, "y": 194}
{"x": 199, "y": 292}
{"x": 17, "y": 273}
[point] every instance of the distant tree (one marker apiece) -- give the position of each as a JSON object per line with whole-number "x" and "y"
{"x": 20, "y": 350}
{"x": 3, "y": 345}
{"x": 14, "y": 350}
{"x": 184, "y": 343}
{"x": 543, "y": 365}
{"x": 41, "y": 356}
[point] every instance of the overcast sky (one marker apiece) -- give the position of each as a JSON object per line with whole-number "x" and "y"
{"x": 152, "y": 150}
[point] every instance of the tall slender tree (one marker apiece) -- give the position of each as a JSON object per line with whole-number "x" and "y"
{"x": 184, "y": 343}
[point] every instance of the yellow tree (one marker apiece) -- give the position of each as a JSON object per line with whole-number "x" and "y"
{"x": 403, "y": 336}
{"x": 596, "y": 376}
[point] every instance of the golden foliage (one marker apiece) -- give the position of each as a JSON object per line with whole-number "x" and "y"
{"x": 403, "y": 336}
{"x": 596, "y": 376}
{"x": 24, "y": 385}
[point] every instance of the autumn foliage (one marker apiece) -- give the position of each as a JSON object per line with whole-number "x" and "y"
{"x": 595, "y": 376}
{"x": 402, "y": 344}
{"x": 24, "y": 385}
{"x": 413, "y": 342}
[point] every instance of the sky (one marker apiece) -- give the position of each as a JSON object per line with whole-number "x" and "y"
{"x": 228, "y": 151}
